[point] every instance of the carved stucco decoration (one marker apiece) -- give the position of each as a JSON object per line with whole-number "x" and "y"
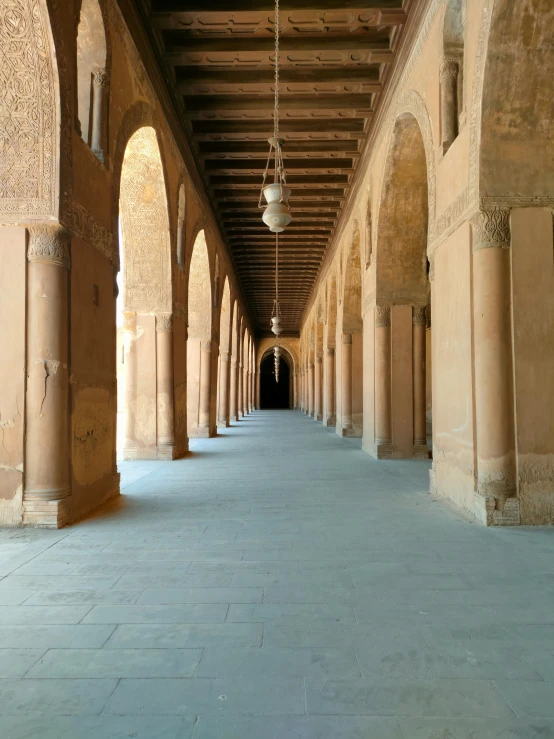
{"x": 29, "y": 113}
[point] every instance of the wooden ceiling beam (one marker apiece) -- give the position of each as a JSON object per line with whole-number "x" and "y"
{"x": 261, "y": 148}
{"x": 229, "y": 200}
{"x": 302, "y": 179}
{"x": 304, "y": 126}
{"x": 179, "y": 44}
{"x": 190, "y": 77}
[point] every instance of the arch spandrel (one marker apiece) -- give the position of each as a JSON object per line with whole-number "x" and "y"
{"x": 30, "y": 112}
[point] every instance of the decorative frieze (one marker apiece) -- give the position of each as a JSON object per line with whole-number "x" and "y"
{"x": 49, "y": 243}
{"x": 82, "y": 224}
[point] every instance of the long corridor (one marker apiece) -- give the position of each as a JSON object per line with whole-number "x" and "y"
{"x": 278, "y": 583}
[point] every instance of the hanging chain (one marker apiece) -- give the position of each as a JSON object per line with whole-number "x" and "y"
{"x": 276, "y": 111}
{"x": 277, "y": 273}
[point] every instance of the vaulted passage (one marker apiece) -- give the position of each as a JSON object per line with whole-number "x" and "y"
{"x": 322, "y": 589}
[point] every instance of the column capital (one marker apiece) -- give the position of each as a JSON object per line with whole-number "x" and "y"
{"x": 319, "y": 358}
{"x": 164, "y": 322}
{"x": 419, "y": 317}
{"x": 100, "y": 77}
{"x": 330, "y": 351}
{"x": 224, "y": 356}
{"x": 129, "y": 321}
{"x": 49, "y": 242}
{"x": 382, "y": 316}
{"x": 347, "y": 339}
{"x": 448, "y": 69}
{"x": 206, "y": 345}
{"x": 491, "y": 228}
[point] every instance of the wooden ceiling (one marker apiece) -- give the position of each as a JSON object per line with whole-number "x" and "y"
{"x": 217, "y": 57}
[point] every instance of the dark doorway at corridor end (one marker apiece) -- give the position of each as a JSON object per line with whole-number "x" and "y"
{"x": 274, "y": 395}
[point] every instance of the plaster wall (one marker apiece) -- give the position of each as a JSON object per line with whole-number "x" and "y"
{"x": 12, "y": 372}
{"x": 452, "y": 378}
{"x": 533, "y": 335}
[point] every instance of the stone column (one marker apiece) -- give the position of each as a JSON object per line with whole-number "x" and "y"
{"x": 494, "y": 402}
{"x": 318, "y": 382}
{"x": 258, "y": 406}
{"x": 164, "y": 392}
{"x": 130, "y": 379}
{"x": 205, "y": 387}
{"x": 295, "y": 390}
{"x": 420, "y": 389}
{"x": 346, "y": 421}
{"x": 233, "y": 406}
{"x": 240, "y": 413}
{"x": 330, "y": 413}
{"x": 46, "y": 500}
{"x": 99, "y": 83}
{"x": 449, "y": 101}
{"x": 383, "y": 421}
{"x": 223, "y": 410}
{"x": 311, "y": 389}
{"x": 245, "y": 390}
{"x": 250, "y": 391}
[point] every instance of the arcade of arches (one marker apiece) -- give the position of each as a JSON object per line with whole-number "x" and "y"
{"x": 417, "y": 279}
{"x": 187, "y": 547}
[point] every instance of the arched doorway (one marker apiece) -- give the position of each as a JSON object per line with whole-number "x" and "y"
{"x": 145, "y": 336}
{"x": 403, "y": 293}
{"x": 351, "y": 348}
{"x": 275, "y": 395}
{"x": 91, "y": 76}
{"x": 199, "y": 344}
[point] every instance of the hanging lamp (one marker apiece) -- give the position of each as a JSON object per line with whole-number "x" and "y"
{"x": 277, "y": 359}
{"x": 277, "y": 214}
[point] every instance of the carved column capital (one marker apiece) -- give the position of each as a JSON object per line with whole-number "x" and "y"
{"x": 330, "y": 351}
{"x": 491, "y": 228}
{"x": 319, "y": 358}
{"x": 49, "y": 243}
{"x": 206, "y": 345}
{"x": 224, "y": 356}
{"x": 347, "y": 339}
{"x": 382, "y": 316}
{"x": 448, "y": 69}
{"x": 418, "y": 316}
{"x": 164, "y": 322}
{"x": 100, "y": 77}
{"x": 129, "y": 321}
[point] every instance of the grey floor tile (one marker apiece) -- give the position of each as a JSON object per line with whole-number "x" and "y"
{"x": 175, "y": 613}
{"x": 181, "y": 636}
{"x": 76, "y": 597}
{"x": 16, "y": 662}
{"x": 98, "y": 727}
{"x": 261, "y": 663}
{"x": 49, "y": 637}
{"x": 22, "y": 615}
{"x": 476, "y": 728}
{"x": 297, "y": 727}
{"x": 407, "y": 698}
{"x": 203, "y": 695}
{"x": 310, "y": 612}
{"x": 528, "y": 698}
{"x": 201, "y": 595}
{"x": 54, "y": 697}
{"x": 115, "y": 663}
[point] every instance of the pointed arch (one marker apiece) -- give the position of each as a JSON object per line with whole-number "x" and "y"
{"x": 181, "y": 214}
{"x": 91, "y": 75}
{"x": 352, "y": 291}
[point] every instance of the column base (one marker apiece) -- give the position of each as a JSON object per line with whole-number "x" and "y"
{"x": 318, "y": 417}
{"x": 347, "y": 432}
{"x": 47, "y": 514}
{"x": 130, "y": 452}
{"x": 421, "y": 451}
{"x": 330, "y": 420}
{"x": 383, "y": 449}
{"x": 493, "y": 512}
{"x": 165, "y": 452}
{"x": 200, "y": 433}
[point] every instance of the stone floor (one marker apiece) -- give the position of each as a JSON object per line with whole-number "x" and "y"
{"x": 276, "y": 584}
